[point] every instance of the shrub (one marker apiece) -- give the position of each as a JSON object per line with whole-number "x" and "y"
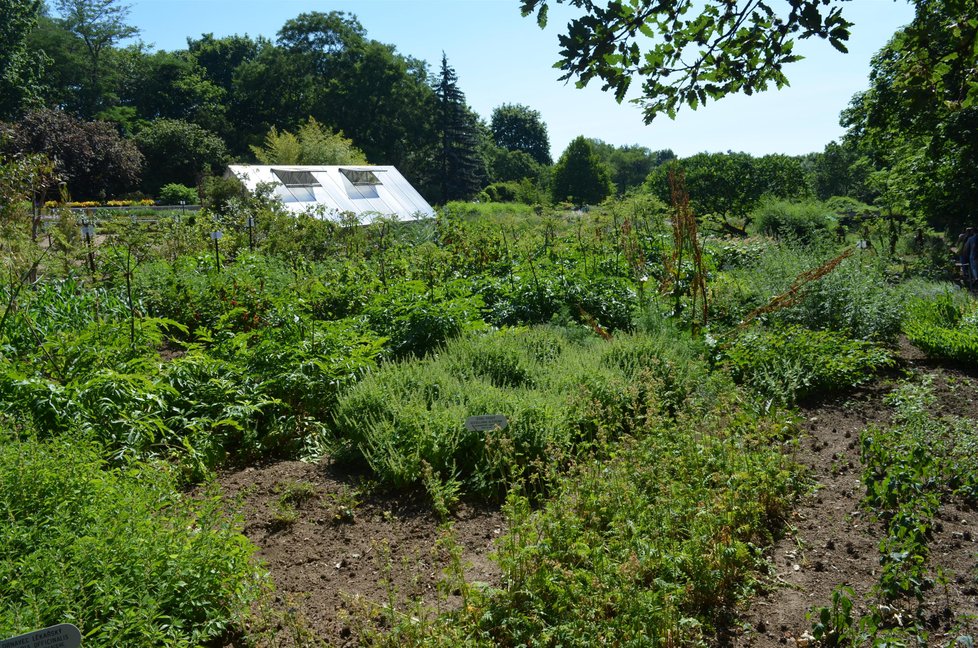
{"x": 800, "y": 221}
{"x": 119, "y": 553}
{"x": 500, "y": 192}
{"x": 416, "y": 320}
{"x": 854, "y": 299}
{"x": 792, "y": 363}
{"x": 944, "y": 326}
{"x": 217, "y": 192}
{"x": 175, "y": 194}
{"x": 648, "y": 547}
{"x": 561, "y": 396}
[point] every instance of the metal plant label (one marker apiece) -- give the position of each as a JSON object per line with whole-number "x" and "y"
{"x": 217, "y": 235}
{"x": 486, "y": 422}
{"x": 64, "y": 635}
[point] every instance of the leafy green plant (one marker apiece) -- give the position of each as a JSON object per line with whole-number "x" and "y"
{"x": 178, "y": 194}
{"x": 653, "y": 542}
{"x": 416, "y": 319}
{"x": 855, "y": 299}
{"x": 910, "y": 468}
{"x": 835, "y": 625}
{"x": 944, "y": 327}
{"x": 791, "y": 363}
{"x": 561, "y": 396}
{"x": 292, "y": 495}
{"x": 805, "y": 222}
{"x": 171, "y": 571}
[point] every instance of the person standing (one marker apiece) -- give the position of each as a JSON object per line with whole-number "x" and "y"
{"x": 970, "y": 253}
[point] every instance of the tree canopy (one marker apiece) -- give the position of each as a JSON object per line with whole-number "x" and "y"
{"x": 179, "y": 152}
{"x": 631, "y": 164}
{"x": 688, "y": 51}
{"x": 579, "y": 175}
{"x": 91, "y": 157}
{"x": 727, "y": 186}
{"x": 99, "y": 24}
{"x": 917, "y": 123}
{"x": 313, "y": 144}
{"x": 19, "y": 66}
{"x": 516, "y": 127}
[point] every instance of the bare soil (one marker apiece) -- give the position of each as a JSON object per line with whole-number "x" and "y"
{"x": 833, "y": 541}
{"x": 339, "y": 553}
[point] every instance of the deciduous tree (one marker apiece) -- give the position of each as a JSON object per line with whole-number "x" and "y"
{"x": 19, "y": 66}
{"x": 179, "y": 152}
{"x": 725, "y": 187}
{"x": 579, "y": 175}
{"x": 688, "y": 51}
{"x": 512, "y": 166}
{"x": 313, "y": 144}
{"x": 171, "y": 85}
{"x": 516, "y": 127}
{"x": 918, "y": 121}
{"x": 631, "y": 164}
{"x": 100, "y": 24}
{"x": 90, "y": 156}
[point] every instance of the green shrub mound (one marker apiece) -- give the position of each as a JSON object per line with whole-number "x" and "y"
{"x": 855, "y": 299}
{"x": 177, "y": 194}
{"x": 647, "y": 547}
{"x": 117, "y": 552}
{"x": 806, "y": 222}
{"x": 944, "y": 327}
{"x": 561, "y": 394}
{"x": 792, "y": 363}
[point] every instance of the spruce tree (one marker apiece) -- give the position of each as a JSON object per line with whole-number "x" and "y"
{"x": 462, "y": 168}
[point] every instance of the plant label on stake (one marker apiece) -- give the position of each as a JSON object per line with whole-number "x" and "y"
{"x": 88, "y": 233}
{"x": 64, "y": 635}
{"x": 216, "y": 235}
{"x": 486, "y": 422}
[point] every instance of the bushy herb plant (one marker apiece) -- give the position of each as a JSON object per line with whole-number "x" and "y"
{"x": 944, "y": 326}
{"x": 118, "y": 552}
{"x": 560, "y": 396}
{"x": 787, "y": 364}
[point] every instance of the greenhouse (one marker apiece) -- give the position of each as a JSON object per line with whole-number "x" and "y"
{"x": 368, "y": 192}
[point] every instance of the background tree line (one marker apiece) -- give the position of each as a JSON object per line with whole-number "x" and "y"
{"x": 76, "y": 87}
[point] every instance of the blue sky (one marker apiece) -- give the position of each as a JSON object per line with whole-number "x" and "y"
{"x": 501, "y": 57}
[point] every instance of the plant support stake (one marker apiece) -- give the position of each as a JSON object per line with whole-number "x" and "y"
{"x": 88, "y": 230}
{"x": 217, "y": 252}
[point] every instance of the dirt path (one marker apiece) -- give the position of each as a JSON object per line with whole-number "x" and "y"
{"x": 836, "y": 542}
{"x": 337, "y": 555}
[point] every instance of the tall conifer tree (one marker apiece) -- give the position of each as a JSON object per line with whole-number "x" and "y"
{"x": 462, "y": 169}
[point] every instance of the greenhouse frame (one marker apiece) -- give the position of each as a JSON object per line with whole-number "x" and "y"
{"x": 330, "y": 192}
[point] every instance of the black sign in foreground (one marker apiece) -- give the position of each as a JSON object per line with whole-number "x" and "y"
{"x": 63, "y": 635}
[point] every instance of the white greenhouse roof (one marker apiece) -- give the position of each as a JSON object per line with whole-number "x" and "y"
{"x": 366, "y": 191}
